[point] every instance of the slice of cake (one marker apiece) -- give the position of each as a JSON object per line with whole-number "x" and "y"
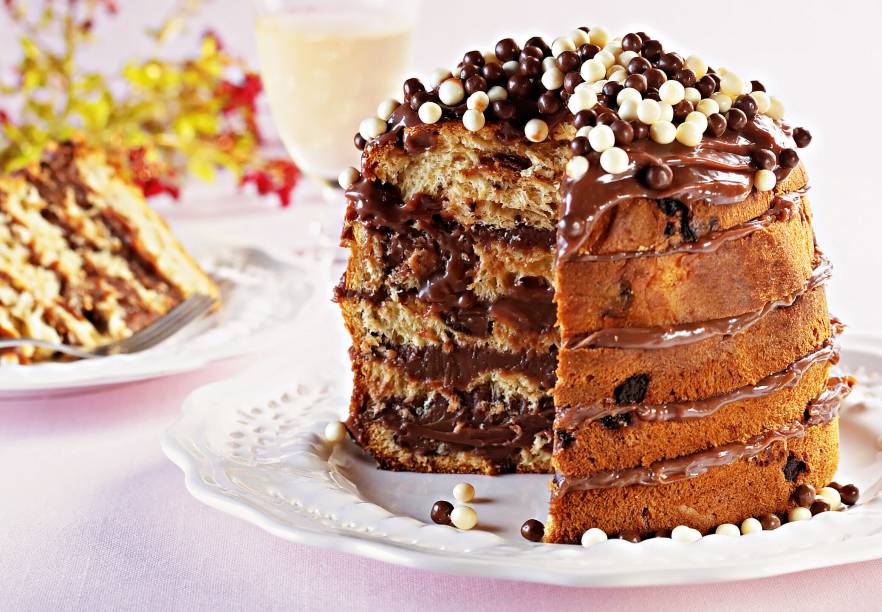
{"x": 594, "y": 259}
{"x": 84, "y": 260}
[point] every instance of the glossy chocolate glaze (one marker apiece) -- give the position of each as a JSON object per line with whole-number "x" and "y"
{"x": 819, "y": 412}
{"x": 653, "y": 338}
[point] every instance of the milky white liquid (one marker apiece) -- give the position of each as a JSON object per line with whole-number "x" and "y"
{"x": 324, "y": 73}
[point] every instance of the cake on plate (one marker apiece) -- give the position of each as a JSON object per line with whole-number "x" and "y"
{"x": 84, "y": 260}
{"x": 593, "y": 259}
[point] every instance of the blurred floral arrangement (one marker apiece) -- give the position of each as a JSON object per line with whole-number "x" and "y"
{"x": 158, "y": 120}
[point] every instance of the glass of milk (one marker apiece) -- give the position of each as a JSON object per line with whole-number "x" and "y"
{"x": 325, "y": 65}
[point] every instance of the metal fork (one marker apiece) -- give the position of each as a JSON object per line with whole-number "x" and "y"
{"x": 162, "y": 328}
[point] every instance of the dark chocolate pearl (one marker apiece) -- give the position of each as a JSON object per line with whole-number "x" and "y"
{"x": 639, "y": 65}
{"x": 651, "y": 93}
{"x": 606, "y": 118}
{"x": 746, "y": 104}
{"x": 818, "y": 506}
{"x": 530, "y": 66}
{"x": 549, "y": 103}
{"x": 764, "y": 159}
{"x": 493, "y": 72}
{"x": 630, "y": 535}
{"x": 623, "y": 132}
{"x": 655, "y": 77}
{"x": 519, "y": 86}
{"x": 835, "y": 485}
{"x": 475, "y": 83}
{"x": 580, "y": 146}
{"x": 736, "y": 119}
{"x": 706, "y": 86}
{"x": 418, "y": 99}
{"x": 531, "y": 51}
{"x": 571, "y": 81}
{"x": 682, "y": 108}
{"x": 637, "y": 81}
{"x": 507, "y": 49}
{"x": 757, "y": 86}
{"x": 716, "y": 125}
{"x": 568, "y": 61}
{"x": 585, "y": 118}
{"x": 788, "y": 158}
{"x": 538, "y": 41}
{"x": 504, "y": 109}
{"x": 469, "y": 70}
{"x": 685, "y": 76}
{"x": 359, "y": 141}
{"x": 643, "y": 36}
{"x": 441, "y": 512}
{"x": 641, "y": 130}
{"x": 588, "y": 51}
{"x": 657, "y": 176}
{"x": 652, "y": 50}
{"x": 714, "y": 76}
{"x": 803, "y": 495}
{"x": 611, "y": 89}
{"x": 533, "y": 530}
{"x": 770, "y": 521}
{"x": 473, "y": 57}
{"x": 632, "y": 42}
{"x": 802, "y": 137}
{"x": 412, "y": 86}
{"x": 670, "y": 63}
{"x": 849, "y": 494}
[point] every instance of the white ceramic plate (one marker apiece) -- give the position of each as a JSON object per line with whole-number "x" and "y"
{"x": 252, "y": 446}
{"x": 263, "y": 294}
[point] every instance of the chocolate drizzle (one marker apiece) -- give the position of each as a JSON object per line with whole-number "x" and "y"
{"x": 653, "y": 338}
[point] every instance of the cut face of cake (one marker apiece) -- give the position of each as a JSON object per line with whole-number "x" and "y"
{"x": 594, "y": 259}
{"x": 84, "y": 260}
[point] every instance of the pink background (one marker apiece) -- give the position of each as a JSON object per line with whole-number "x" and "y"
{"x": 92, "y": 515}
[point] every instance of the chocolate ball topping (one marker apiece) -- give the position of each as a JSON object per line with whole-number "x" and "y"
{"x": 412, "y": 86}
{"x": 818, "y": 506}
{"x": 716, "y": 125}
{"x": 803, "y": 495}
{"x": 493, "y": 73}
{"x": 686, "y": 77}
{"x": 549, "y": 103}
{"x": 611, "y": 89}
{"x": 632, "y": 42}
{"x": 532, "y": 51}
{"x": 746, "y": 104}
{"x": 652, "y": 50}
{"x": 533, "y": 530}
{"x": 623, "y": 132}
{"x": 418, "y": 99}
{"x": 657, "y": 176}
{"x": 503, "y": 109}
{"x": 770, "y": 522}
{"x": 585, "y": 118}
{"x": 580, "y": 146}
{"x": 538, "y": 41}
{"x": 473, "y": 57}
{"x": 519, "y": 86}
{"x": 571, "y": 81}
{"x": 849, "y": 494}
{"x": 756, "y": 86}
{"x": 359, "y": 141}
{"x": 763, "y": 159}
{"x": 670, "y": 63}
{"x": 630, "y": 536}
{"x": 636, "y": 81}
{"x": 706, "y": 86}
{"x": 530, "y": 66}
{"x": 736, "y": 119}
{"x": 641, "y": 130}
{"x": 468, "y": 70}
{"x": 682, "y": 109}
{"x": 507, "y": 49}
{"x": 802, "y": 137}
{"x": 588, "y": 51}
{"x": 441, "y": 512}
{"x": 639, "y": 65}
{"x": 568, "y": 61}
{"x": 788, "y": 158}
{"x": 475, "y": 83}
{"x": 655, "y": 77}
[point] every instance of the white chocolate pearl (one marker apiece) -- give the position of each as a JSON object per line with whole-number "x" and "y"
{"x": 728, "y": 529}
{"x": 649, "y": 111}
{"x": 731, "y": 84}
{"x": 751, "y": 525}
{"x": 625, "y": 58}
{"x": 598, "y": 36}
{"x": 579, "y": 37}
{"x": 464, "y": 517}
{"x": 707, "y": 107}
{"x": 473, "y": 120}
{"x": 671, "y": 92}
{"x": 478, "y": 101}
{"x": 763, "y": 102}
{"x": 490, "y": 57}
{"x": 764, "y": 180}
{"x": 684, "y": 534}
{"x": 584, "y": 131}
{"x": 536, "y": 130}
{"x": 723, "y": 71}
{"x": 606, "y": 58}
{"x": 593, "y": 536}
{"x": 614, "y": 160}
{"x": 561, "y": 44}
{"x": 697, "y": 118}
{"x": 553, "y": 79}
{"x": 696, "y": 65}
{"x": 386, "y": 108}
{"x": 497, "y": 92}
{"x": 663, "y": 132}
{"x": 511, "y": 66}
{"x": 723, "y": 101}
{"x": 690, "y": 94}
{"x": 617, "y": 74}
{"x": 667, "y": 112}
{"x": 429, "y": 112}
{"x": 689, "y": 133}
{"x": 831, "y": 496}
{"x": 335, "y": 431}
{"x": 628, "y": 93}
{"x": 346, "y": 180}
{"x": 614, "y": 46}
{"x": 577, "y": 167}
{"x": 601, "y": 138}
{"x": 776, "y": 108}
{"x": 582, "y": 99}
{"x": 464, "y": 492}
{"x": 451, "y": 92}
{"x": 592, "y": 70}
{"x": 438, "y": 76}
{"x": 799, "y": 514}
{"x": 371, "y": 128}
{"x": 548, "y": 63}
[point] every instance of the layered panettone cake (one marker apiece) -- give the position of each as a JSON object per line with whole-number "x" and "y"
{"x": 83, "y": 259}
{"x": 593, "y": 259}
